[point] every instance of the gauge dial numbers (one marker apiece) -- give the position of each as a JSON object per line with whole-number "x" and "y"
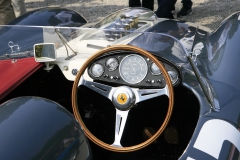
{"x": 97, "y": 70}
{"x": 133, "y": 69}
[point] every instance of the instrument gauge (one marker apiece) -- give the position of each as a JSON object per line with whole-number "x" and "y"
{"x": 133, "y": 69}
{"x": 97, "y": 70}
{"x": 112, "y": 64}
{"x": 173, "y": 76}
{"x": 155, "y": 70}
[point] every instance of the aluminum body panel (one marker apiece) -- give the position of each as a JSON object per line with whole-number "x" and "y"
{"x": 38, "y": 128}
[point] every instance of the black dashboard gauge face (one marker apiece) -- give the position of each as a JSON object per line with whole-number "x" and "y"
{"x": 97, "y": 70}
{"x": 133, "y": 69}
{"x": 111, "y": 64}
{"x": 154, "y": 69}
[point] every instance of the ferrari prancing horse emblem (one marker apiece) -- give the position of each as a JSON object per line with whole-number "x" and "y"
{"x": 122, "y": 98}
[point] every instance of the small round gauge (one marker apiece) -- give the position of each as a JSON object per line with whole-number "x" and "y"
{"x": 133, "y": 69}
{"x": 154, "y": 69}
{"x": 97, "y": 70}
{"x": 173, "y": 76}
{"x": 112, "y": 64}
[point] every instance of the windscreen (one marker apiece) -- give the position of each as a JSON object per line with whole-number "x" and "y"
{"x": 18, "y": 41}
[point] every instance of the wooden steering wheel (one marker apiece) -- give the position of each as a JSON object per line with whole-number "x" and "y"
{"x": 123, "y": 98}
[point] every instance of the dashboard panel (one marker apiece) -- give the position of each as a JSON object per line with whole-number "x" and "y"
{"x": 131, "y": 69}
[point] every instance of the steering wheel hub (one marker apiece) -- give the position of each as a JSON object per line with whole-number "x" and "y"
{"x": 123, "y": 98}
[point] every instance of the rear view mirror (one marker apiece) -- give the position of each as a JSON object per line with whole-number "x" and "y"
{"x": 44, "y": 52}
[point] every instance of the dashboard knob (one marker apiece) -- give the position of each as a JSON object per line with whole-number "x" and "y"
{"x": 105, "y": 76}
{"x": 148, "y": 81}
{"x": 74, "y": 72}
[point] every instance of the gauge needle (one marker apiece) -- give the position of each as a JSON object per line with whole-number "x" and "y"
{"x": 133, "y": 69}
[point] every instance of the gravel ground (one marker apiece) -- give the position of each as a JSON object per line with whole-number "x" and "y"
{"x": 208, "y": 13}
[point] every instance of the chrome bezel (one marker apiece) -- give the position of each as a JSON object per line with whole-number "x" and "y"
{"x": 174, "y": 82}
{"x": 120, "y": 66}
{"x": 114, "y": 68}
{"x": 152, "y": 71}
{"x": 92, "y": 72}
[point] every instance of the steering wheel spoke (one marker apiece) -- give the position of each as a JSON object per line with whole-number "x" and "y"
{"x": 102, "y": 89}
{"x": 121, "y": 118}
{"x": 145, "y": 94}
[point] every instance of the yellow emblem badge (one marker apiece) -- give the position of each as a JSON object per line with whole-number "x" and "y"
{"x": 122, "y": 98}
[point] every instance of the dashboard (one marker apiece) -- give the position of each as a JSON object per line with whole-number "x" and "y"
{"x": 128, "y": 68}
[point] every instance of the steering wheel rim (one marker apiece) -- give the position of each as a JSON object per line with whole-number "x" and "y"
{"x": 170, "y": 97}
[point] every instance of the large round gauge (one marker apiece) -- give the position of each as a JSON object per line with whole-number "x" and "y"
{"x": 133, "y": 69}
{"x": 97, "y": 70}
{"x": 154, "y": 69}
{"x": 111, "y": 64}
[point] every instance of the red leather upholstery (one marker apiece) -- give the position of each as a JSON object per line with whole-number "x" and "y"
{"x": 13, "y": 74}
